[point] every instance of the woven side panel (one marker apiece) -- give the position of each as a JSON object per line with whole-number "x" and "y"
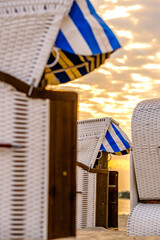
{"x": 144, "y": 220}
{"x": 90, "y": 136}
{"x": 133, "y": 184}
{"x": 146, "y": 148}
{"x": 79, "y": 198}
{"x": 27, "y": 33}
{"x": 24, "y": 167}
{"x": 86, "y": 199}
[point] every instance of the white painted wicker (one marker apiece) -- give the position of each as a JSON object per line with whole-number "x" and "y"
{"x": 24, "y": 166}
{"x": 28, "y": 30}
{"x": 133, "y": 184}
{"x": 144, "y": 220}
{"x": 146, "y": 148}
{"x": 86, "y": 199}
{"x": 145, "y": 169}
{"x": 90, "y": 136}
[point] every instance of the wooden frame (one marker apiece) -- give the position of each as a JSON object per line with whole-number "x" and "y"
{"x": 113, "y": 200}
{"x": 107, "y": 195}
{"x": 62, "y": 176}
{"x": 102, "y": 193}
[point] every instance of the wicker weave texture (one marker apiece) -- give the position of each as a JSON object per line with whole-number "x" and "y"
{"x": 86, "y": 199}
{"x": 133, "y": 184}
{"x": 28, "y": 30}
{"x": 146, "y": 148}
{"x": 144, "y": 220}
{"x": 90, "y": 136}
{"x": 23, "y": 166}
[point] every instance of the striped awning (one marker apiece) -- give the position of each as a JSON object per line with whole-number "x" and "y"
{"x": 83, "y": 32}
{"x": 84, "y": 42}
{"x": 116, "y": 141}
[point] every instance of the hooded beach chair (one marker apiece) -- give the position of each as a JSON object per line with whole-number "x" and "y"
{"x": 144, "y": 218}
{"x": 37, "y": 163}
{"x": 94, "y": 136}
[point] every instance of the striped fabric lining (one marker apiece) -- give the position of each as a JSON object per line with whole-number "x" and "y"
{"x": 116, "y": 141}
{"x": 71, "y": 66}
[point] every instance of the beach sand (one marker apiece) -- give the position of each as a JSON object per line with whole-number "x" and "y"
{"x": 100, "y": 233}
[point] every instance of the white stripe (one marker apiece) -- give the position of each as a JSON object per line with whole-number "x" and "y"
{"x": 107, "y": 146}
{"x": 74, "y": 37}
{"x": 117, "y": 140}
{"x": 97, "y": 29}
{"x": 123, "y": 134}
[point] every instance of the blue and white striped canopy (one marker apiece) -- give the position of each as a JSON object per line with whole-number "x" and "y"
{"x": 116, "y": 141}
{"x": 84, "y": 43}
{"x": 83, "y": 32}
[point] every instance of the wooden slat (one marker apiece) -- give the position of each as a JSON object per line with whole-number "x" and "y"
{"x": 91, "y": 170}
{"x": 102, "y": 193}
{"x": 113, "y": 200}
{"x": 150, "y": 201}
{"x": 62, "y": 187}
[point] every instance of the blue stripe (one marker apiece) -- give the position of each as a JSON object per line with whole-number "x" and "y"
{"x": 83, "y": 26}
{"x": 82, "y": 70}
{"x": 111, "y": 37}
{"x": 62, "y": 77}
{"x": 103, "y": 148}
{"x": 126, "y": 144}
{"x": 111, "y": 142}
{"x": 62, "y": 43}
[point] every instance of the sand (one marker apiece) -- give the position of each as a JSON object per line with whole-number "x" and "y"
{"x": 100, "y": 233}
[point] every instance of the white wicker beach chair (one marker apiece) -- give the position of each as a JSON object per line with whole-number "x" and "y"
{"x": 28, "y": 30}
{"x": 145, "y": 170}
{"x": 91, "y": 135}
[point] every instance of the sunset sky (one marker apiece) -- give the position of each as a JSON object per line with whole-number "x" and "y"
{"x": 130, "y": 75}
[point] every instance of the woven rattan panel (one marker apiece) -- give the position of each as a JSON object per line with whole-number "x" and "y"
{"x": 90, "y": 135}
{"x": 146, "y": 148}
{"x": 144, "y": 220}
{"x": 28, "y": 30}
{"x": 86, "y": 199}
{"x": 23, "y": 165}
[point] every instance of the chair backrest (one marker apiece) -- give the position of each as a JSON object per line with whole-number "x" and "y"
{"x": 146, "y": 148}
{"x": 28, "y": 30}
{"x": 90, "y": 136}
{"x": 24, "y": 144}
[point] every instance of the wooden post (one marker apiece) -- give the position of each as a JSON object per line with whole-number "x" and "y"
{"x": 113, "y": 200}
{"x": 102, "y": 193}
{"x": 62, "y": 177}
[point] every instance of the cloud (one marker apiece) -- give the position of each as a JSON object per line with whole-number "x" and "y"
{"x": 120, "y": 12}
{"x": 137, "y": 46}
